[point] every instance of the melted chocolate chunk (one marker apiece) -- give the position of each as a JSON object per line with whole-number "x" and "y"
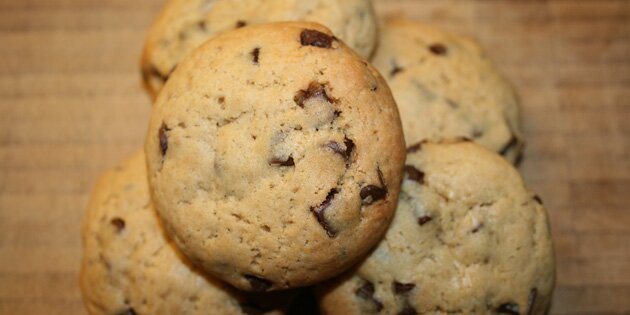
{"x": 129, "y": 311}
{"x": 366, "y": 291}
{"x": 240, "y": 24}
{"x": 318, "y": 211}
{"x": 452, "y": 103}
{"x": 288, "y": 162}
{"x": 508, "y": 308}
{"x": 395, "y": 70}
{"x": 538, "y": 199}
{"x": 258, "y": 284}
{"x": 337, "y": 148}
{"x": 314, "y": 90}
{"x": 163, "y": 138}
{"x": 408, "y": 310}
{"x": 118, "y": 223}
{"x": 315, "y": 38}
{"x": 370, "y": 194}
{"x": 380, "y": 178}
{"x": 424, "y": 220}
{"x": 415, "y": 148}
{"x": 477, "y": 133}
{"x": 531, "y": 301}
{"x": 438, "y": 49}
{"x": 414, "y": 174}
{"x": 477, "y": 228}
{"x": 255, "y": 54}
{"x": 506, "y": 148}
{"x": 402, "y": 288}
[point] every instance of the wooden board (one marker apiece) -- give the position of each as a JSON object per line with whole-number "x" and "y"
{"x": 71, "y": 106}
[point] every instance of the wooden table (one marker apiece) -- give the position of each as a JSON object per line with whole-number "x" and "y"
{"x": 71, "y": 106}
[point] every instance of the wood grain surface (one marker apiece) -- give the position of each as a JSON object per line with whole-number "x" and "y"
{"x": 71, "y": 106}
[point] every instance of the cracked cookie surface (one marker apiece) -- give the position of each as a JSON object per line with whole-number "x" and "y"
{"x": 468, "y": 238}
{"x": 183, "y": 25}
{"x": 131, "y": 267}
{"x": 276, "y": 172}
{"x": 446, "y": 87}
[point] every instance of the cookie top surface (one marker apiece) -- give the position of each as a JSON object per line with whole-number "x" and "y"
{"x": 446, "y": 87}
{"x": 130, "y": 266}
{"x": 266, "y": 156}
{"x": 183, "y": 25}
{"x": 468, "y": 238}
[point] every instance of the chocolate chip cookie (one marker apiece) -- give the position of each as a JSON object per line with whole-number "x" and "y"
{"x": 183, "y": 25}
{"x": 446, "y": 87}
{"x": 129, "y": 264}
{"x": 275, "y": 156}
{"x": 468, "y": 237}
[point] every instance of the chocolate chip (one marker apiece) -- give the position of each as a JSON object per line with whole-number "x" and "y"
{"x": 477, "y": 228}
{"x": 258, "y": 284}
{"x": 477, "y": 133}
{"x": 374, "y": 87}
{"x": 314, "y": 90}
{"x": 255, "y": 53}
{"x": 538, "y": 199}
{"x": 415, "y": 148}
{"x": 395, "y": 70}
{"x": 202, "y": 25}
{"x": 163, "y": 138}
{"x": 424, "y": 220}
{"x": 318, "y": 211}
{"x": 288, "y": 162}
{"x": 531, "y": 301}
{"x": 452, "y": 103}
{"x": 118, "y": 223}
{"x": 414, "y": 174}
{"x": 129, "y": 311}
{"x": 508, "y": 308}
{"x": 240, "y": 24}
{"x": 366, "y": 291}
{"x": 221, "y": 99}
{"x": 380, "y": 178}
{"x": 438, "y": 49}
{"x": 315, "y": 38}
{"x": 345, "y": 152}
{"x": 370, "y": 194}
{"x": 506, "y": 148}
{"x": 402, "y": 288}
{"x": 408, "y": 310}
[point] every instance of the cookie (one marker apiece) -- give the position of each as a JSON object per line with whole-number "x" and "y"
{"x": 446, "y": 87}
{"x": 266, "y": 156}
{"x": 468, "y": 237}
{"x": 184, "y": 25}
{"x": 131, "y": 267}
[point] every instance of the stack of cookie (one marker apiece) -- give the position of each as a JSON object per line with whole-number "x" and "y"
{"x": 276, "y": 163}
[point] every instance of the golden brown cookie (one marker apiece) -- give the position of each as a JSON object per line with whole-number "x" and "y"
{"x": 275, "y": 156}
{"x": 468, "y": 237}
{"x": 446, "y": 87}
{"x": 183, "y": 25}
